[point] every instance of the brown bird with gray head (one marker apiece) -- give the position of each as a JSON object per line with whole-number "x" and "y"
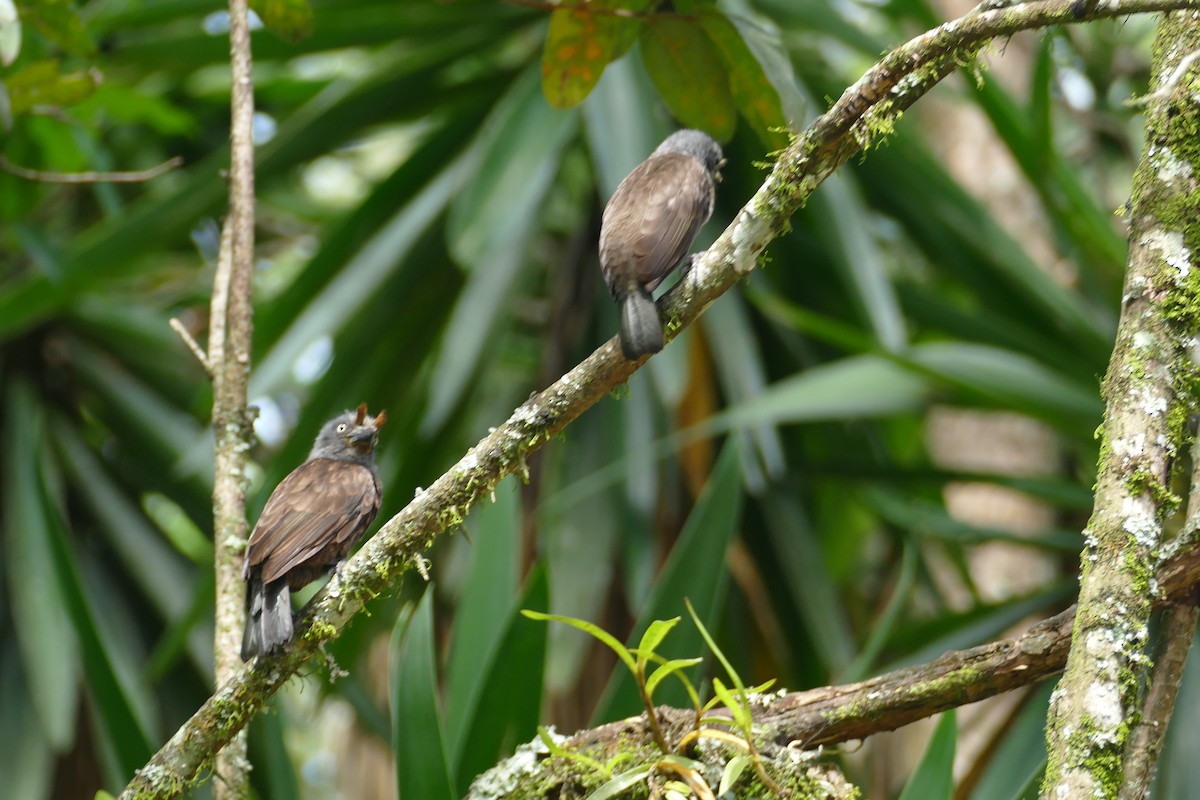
{"x": 309, "y": 524}
{"x": 648, "y": 226}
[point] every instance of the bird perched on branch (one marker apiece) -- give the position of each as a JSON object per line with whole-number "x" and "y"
{"x": 648, "y": 226}
{"x": 309, "y": 524}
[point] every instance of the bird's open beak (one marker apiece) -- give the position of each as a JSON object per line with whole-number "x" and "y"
{"x": 717, "y": 171}
{"x": 360, "y": 435}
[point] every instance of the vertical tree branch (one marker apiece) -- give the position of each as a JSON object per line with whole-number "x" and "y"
{"x": 1145, "y": 745}
{"x": 1146, "y": 402}
{"x": 229, "y": 357}
{"x": 1178, "y": 628}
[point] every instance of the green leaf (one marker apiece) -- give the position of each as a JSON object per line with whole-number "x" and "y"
{"x": 589, "y": 628}
{"x": 655, "y": 632}
{"x": 45, "y": 637}
{"x": 695, "y": 569}
{"x": 620, "y": 103}
{"x": 689, "y": 75}
{"x": 851, "y": 388}
{"x": 484, "y": 610}
{"x": 1010, "y": 379}
{"x": 516, "y": 158}
{"x": 734, "y": 702}
{"x": 807, "y": 577}
{"x": 26, "y": 760}
{"x": 734, "y": 768}
{"x": 114, "y": 691}
{"x": 882, "y": 629}
{"x": 580, "y": 43}
{"x": 715, "y": 650}
{"x": 128, "y": 105}
{"x": 667, "y": 669}
{"x": 933, "y": 778}
{"x": 422, "y": 769}
{"x": 510, "y": 696}
{"x": 41, "y": 84}
{"x": 160, "y": 573}
{"x": 619, "y": 785}
{"x": 1019, "y": 758}
{"x": 291, "y": 20}
{"x": 59, "y": 21}
{"x": 740, "y": 363}
{"x": 364, "y": 255}
{"x": 274, "y": 774}
{"x": 178, "y": 528}
{"x": 927, "y": 518}
{"x": 841, "y": 210}
{"x": 752, "y": 92}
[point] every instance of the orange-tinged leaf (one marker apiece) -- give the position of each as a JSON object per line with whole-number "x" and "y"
{"x": 689, "y": 75}
{"x": 581, "y": 42}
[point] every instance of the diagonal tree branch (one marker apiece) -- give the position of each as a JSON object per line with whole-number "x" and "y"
{"x": 867, "y": 109}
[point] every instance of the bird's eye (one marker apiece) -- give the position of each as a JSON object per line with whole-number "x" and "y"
{"x": 341, "y": 428}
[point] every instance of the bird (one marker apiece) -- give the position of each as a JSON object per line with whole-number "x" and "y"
{"x": 649, "y": 224}
{"x": 310, "y": 522}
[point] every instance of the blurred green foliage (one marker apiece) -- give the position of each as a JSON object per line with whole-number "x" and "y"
{"x": 430, "y": 178}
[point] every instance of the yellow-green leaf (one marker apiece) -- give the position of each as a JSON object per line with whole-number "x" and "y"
{"x": 689, "y": 75}
{"x": 289, "y": 19}
{"x": 41, "y": 84}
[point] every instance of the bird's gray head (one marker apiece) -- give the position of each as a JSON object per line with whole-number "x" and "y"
{"x": 350, "y": 436}
{"x": 697, "y": 144}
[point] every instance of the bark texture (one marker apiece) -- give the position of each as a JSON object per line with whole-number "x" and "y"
{"x": 230, "y": 329}
{"x": 1147, "y": 399}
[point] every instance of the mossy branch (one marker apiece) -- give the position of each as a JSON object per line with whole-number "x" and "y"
{"x": 866, "y": 110}
{"x": 834, "y": 714}
{"x": 1148, "y": 395}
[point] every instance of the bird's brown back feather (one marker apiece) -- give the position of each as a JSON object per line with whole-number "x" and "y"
{"x": 311, "y": 520}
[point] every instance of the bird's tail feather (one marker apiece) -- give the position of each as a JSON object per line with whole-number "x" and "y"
{"x": 268, "y": 618}
{"x": 641, "y": 329}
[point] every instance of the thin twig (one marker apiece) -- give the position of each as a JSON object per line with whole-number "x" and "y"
{"x": 1146, "y": 742}
{"x": 1164, "y": 92}
{"x": 136, "y": 176}
{"x": 191, "y": 343}
{"x": 230, "y": 327}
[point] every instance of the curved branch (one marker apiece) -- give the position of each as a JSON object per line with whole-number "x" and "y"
{"x": 865, "y": 110}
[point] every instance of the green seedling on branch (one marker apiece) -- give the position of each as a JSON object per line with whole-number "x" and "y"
{"x": 687, "y": 774}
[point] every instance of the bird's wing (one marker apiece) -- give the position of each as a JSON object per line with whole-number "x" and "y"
{"x": 664, "y": 201}
{"x": 320, "y": 503}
